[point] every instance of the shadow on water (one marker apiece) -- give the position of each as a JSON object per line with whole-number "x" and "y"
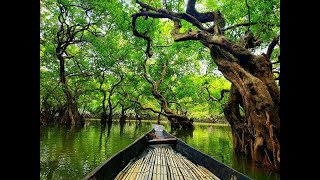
{"x": 102, "y": 134}
{"x": 121, "y": 129}
{"x": 182, "y": 133}
{"x": 246, "y": 166}
{"x": 136, "y": 128}
{"x": 109, "y": 130}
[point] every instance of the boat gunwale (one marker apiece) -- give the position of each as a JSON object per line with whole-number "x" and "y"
{"x": 219, "y": 163}
{"x": 101, "y": 165}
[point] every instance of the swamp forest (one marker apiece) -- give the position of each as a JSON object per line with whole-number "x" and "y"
{"x": 207, "y": 70}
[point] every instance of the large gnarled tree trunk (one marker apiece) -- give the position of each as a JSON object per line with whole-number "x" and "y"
{"x": 253, "y": 85}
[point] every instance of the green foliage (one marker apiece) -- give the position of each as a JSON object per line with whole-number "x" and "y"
{"x": 117, "y": 52}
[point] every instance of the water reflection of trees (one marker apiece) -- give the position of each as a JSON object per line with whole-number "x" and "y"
{"x": 182, "y": 134}
{"x": 243, "y": 164}
{"x": 102, "y": 134}
{"x": 121, "y": 129}
{"x": 109, "y": 130}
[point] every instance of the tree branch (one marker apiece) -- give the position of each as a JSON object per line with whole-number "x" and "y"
{"x": 142, "y": 106}
{"x": 180, "y": 107}
{"x": 80, "y": 92}
{"x": 248, "y": 24}
{"x": 78, "y": 64}
{"x": 202, "y": 17}
{"x": 162, "y": 46}
{"x": 115, "y": 85}
{"x": 143, "y": 36}
{"x": 208, "y": 40}
{"x": 221, "y": 94}
{"x": 67, "y": 35}
{"x": 115, "y": 105}
{"x": 79, "y": 74}
{"x": 101, "y": 82}
{"x": 164, "y": 67}
{"x": 248, "y": 14}
{"x": 163, "y": 13}
{"x": 276, "y": 72}
{"x": 148, "y": 108}
{"x": 145, "y": 74}
{"x": 272, "y": 45}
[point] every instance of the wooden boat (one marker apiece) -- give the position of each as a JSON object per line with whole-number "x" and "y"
{"x": 143, "y": 160}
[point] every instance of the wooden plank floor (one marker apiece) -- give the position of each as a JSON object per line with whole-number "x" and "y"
{"x": 163, "y": 163}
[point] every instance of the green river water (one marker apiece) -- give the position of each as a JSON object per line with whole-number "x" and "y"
{"x": 72, "y": 152}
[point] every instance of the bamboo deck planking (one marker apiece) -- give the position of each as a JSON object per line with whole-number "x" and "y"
{"x": 163, "y": 163}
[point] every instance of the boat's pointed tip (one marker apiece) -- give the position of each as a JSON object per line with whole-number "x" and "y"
{"x": 158, "y": 127}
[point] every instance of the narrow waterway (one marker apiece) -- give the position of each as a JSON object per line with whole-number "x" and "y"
{"x": 71, "y": 153}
